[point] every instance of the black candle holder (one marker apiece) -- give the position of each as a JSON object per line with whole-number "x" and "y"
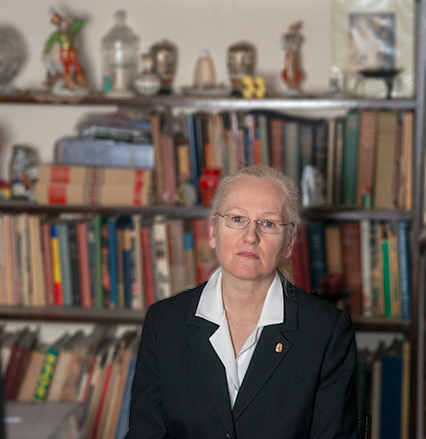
{"x": 386, "y": 75}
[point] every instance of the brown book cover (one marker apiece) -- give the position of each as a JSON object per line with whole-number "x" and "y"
{"x": 170, "y": 194}
{"x": 7, "y": 242}
{"x": 333, "y": 248}
{"x": 205, "y": 257}
{"x": 38, "y": 290}
{"x": 104, "y": 195}
{"x": 385, "y": 159}
{"x": 276, "y": 139}
{"x": 138, "y": 286}
{"x": 155, "y": 120}
{"x": 366, "y": 153}
{"x": 47, "y": 264}
{"x": 407, "y": 161}
{"x": 29, "y": 380}
{"x": 351, "y": 264}
{"x": 84, "y": 265}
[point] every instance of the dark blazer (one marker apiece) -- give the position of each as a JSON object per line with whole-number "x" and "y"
{"x": 305, "y": 391}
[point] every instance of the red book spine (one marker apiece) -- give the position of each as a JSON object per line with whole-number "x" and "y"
{"x": 147, "y": 266}
{"x": 47, "y": 262}
{"x": 14, "y": 371}
{"x": 83, "y": 261}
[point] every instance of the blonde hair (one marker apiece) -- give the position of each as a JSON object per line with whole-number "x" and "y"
{"x": 290, "y": 199}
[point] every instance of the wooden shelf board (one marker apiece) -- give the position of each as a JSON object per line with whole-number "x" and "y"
{"x": 381, "y": 324}
{"x": 353, "y": 214}
{"x": 73, "y": 314}
{"x": 274, "y": 102}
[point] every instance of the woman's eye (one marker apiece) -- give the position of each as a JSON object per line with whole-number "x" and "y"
{"x": 237, "y": 219}
{"x": 269, "y": 224}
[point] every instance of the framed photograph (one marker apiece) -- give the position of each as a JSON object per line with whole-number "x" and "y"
{"x": 373, "y": 35}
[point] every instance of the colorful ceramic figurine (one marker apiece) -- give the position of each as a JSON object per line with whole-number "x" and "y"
{"x": 64, "y": 72}
{"x": 292, "y": 74}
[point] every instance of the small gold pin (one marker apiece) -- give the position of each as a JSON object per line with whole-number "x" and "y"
{"x": 279, "y": 347}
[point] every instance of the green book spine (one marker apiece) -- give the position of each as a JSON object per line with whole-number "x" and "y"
{"x": 98, "y": 262}
{"x": 45, "y": 377}
{"x": 350, "y": 157}
{"x": 291, "y": 152}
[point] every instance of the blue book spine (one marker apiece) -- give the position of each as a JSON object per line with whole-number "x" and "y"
{"x": 390, "y": 412}
{"x": 125, "y": 408}
{"x": 404, "y": 269}
{"x": 248, "y": 153}
{"x": 113, "y": 260}
{"x": 65, "y": 260}
{"x": 316, "y": 243}
{"x": 192, "y": 149}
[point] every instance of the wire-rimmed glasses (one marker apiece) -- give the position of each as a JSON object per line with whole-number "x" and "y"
{"x": 240, "y": 222}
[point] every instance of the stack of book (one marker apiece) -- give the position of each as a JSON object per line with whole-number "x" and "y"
{"x": 87, "y": 185}
{"x": 93, "y": 369}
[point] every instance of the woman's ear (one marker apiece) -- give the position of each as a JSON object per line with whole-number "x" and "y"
{"x": 290, "y": 246}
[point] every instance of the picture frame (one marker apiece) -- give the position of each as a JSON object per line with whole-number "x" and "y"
{"x": 373, "y": 35}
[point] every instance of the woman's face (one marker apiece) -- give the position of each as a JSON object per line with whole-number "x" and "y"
{"x": 249, "y": 254}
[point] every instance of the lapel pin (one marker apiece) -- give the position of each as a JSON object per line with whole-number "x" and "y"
{"x": 279, "y": 347}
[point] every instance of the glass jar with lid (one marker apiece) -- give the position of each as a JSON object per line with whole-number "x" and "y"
{"x": 120, "y": 48}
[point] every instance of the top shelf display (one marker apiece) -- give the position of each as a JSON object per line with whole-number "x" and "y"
{"x": 275, "y": 102}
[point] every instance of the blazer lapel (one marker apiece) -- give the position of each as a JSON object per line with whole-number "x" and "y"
{"x": 270, "y": 351}
{"x": 209, "y": 364}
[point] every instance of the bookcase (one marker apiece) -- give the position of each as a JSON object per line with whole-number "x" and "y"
{"x": 413, "y": 329}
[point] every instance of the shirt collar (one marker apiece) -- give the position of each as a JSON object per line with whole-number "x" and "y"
{"x": 210, "y": 306}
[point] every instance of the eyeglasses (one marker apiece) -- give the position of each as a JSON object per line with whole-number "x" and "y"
{"x": 240, "y": 222}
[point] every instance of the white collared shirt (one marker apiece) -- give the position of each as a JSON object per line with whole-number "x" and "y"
{"x": 210, "y": 307}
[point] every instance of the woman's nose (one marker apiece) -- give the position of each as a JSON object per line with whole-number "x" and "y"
{"x": 251, "y": 233}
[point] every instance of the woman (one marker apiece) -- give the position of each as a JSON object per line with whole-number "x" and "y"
{"x": 246, "y": 355}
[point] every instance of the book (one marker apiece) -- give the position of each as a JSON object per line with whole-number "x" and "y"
{"x": 56, "y": 264}
{"x": 386, "y": 273}
{"x": 120, "y": 267}
{"x": 262, "y": 121}
{"x": 351, "y": 262}
{"x": 404, "y": 268}
{"x": 333, "y": 248}
{"x": 105, "y": 263}
{"x": 320, "y": 151}
{"x": 104, "y": 195}
{"x": 29, "y": 379}
{"x": 65, "y": 262}
{"x": 170, "y": 194}
{"x": 406, "y": 187}
{"x": 112, "y": 267}
{"x": 331, "y": 150}
{"x": 292, "y": 164}
{"x": 92, "y": 175}
{"x": 23, "y": 257}
{"x": 339, "y": 138}
{"x": 161, "y": 258}
{"x": 155, "y": 120}
{"x": 205, "y": 257}
{"x": 350, "y": 157}
{"x": 138, "y": 286}
{"x": 276, "y": 143}
{"x": 317, "y": 256}
{"x": 192, "y": 149}
{"x": 188, "y": 241}
{"x": 366, "y": 268}
{"x": 74, "y": 263}
{"x": 385, "y": 159}
{"x": 96, "y": 242}
{"x": 38, "y": 295}
{"x": 176, "y": 250}
{"x": 148, "y": 270}
{"x": 95, "y": 152}
{"x": 366, "y": 153}
{"x": 8, "y": 261}
{"x": 47, "y": 263}
{"x": 84, "y": 264}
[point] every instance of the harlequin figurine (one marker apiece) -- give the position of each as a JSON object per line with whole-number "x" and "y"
{"x": 292, "y": 74}
{"x": 64, "y": 72}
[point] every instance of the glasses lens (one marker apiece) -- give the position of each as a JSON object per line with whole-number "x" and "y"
{"x": 266, "y": 226}
{"x": 237, "y": 221}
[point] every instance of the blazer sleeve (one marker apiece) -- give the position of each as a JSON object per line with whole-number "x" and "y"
{"x": 335, "y": 411}
{"x": 146, "y": 414}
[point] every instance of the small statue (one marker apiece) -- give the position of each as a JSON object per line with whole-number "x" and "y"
{"x": 292, "y": 74}
{"x": 23, "y": 172}
{"x": 64, "y": 74}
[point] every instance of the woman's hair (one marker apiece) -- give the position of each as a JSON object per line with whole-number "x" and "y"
{"x": 290, "y": 198}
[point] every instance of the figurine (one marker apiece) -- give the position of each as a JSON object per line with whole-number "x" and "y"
{"x": 23, "y": 172}
{"x": 64, "y": 73}
{"x": 292, "y": 74}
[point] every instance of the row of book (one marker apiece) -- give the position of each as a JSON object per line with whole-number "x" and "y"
{"x": 94, "y": 369}
{"x": 383, "y": 388}
{"x": 368, "y": 260}
{"x": 361, "y": 159}
{"x": 100, "y": 261}
{"x": 364, "y": 158}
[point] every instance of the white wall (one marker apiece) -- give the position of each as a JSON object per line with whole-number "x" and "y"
{"x": 191, "y": 24}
